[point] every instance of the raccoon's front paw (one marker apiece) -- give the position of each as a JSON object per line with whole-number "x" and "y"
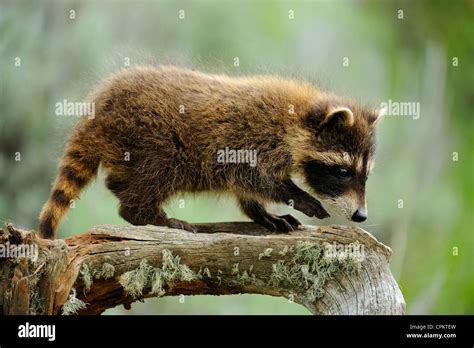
{"x": 283, "y": 223}
{"x": 294, "y": 222}
{"x": 311, "y": 208}
{"x": 180, "y": 224}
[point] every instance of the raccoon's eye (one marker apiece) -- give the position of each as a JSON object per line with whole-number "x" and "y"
{"x": 343, "y": 173}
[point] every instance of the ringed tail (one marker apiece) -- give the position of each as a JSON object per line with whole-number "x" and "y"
{"x": 77, "y": 167}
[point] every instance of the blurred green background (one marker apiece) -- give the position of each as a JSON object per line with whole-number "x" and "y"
{"x": 423, "y": 54}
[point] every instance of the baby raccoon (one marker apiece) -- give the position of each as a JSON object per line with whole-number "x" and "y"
{"x": 159, "y": 131}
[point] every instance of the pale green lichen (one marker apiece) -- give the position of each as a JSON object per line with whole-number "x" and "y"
{"x": 107, "y": 271}
{"x": 133, "y": 282}
{"x": 36, "y": 302}
{"x": 86, "y": 277}
{"x": 235, "y": 269}
{"x": 186, "y": 274}
{"x": 282, "y": 274}
{"x": 172, "y": 270}
{"x": 145, "y": 276}
{"x": 244, "y": 278}
{"x": 87, "y": 274}
{"x": 283, "y": 251}
{"x": 157, "y": 283}
{"x": 266, "y": 253}
{"x": 205, "y": 272}
{"x": 73, "y": 304}
{"x": 309, "y": 268}
{"x": 351, "y": 265}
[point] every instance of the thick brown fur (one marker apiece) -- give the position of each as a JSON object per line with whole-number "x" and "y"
{"x": 150, "y": 150}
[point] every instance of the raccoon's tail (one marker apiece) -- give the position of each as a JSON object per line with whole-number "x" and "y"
{"x": 77, "y": 167}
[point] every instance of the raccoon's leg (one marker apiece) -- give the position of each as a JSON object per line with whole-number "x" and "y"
{"x": 139, "y": 216}
{"x": 256, "y": 211}
{"x": 180, "y": 224}
{"x": 288, "y": 192}
{"x": 140, "y": 213}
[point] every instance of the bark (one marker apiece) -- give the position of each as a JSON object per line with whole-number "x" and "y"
{"x": 224, "y": 258}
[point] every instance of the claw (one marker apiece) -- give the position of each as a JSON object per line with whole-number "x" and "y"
{"x": 277, "y": 224}
{"x": 291, "y": 220}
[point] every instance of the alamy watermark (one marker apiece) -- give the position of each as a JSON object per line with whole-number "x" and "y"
{"x": 340, "y": 251}
{"x": 70, "y": 108}
{"x": 28, "y": 330}
{"x": 400, "y": 108}
{"x": 8, "y": 250}
{"x": 228, "y": 155}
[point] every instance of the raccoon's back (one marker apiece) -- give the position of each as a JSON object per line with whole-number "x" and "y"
{"x": 184, "y": 117}
{"x": 180, "y": 113}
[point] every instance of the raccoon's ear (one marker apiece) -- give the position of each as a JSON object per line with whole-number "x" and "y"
{"x": 377, "y": 116}
{"x": 340, "y": 114}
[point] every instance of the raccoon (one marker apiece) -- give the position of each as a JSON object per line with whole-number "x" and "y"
{"x": 159, "y": 131}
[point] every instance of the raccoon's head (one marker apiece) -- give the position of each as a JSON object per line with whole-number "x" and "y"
{"x": 337, "y": 155}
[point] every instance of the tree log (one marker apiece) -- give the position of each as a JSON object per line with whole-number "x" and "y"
{"x": 327, "y": 269}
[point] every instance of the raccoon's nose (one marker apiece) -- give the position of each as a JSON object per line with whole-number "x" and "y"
{"x": 360, "y": 215}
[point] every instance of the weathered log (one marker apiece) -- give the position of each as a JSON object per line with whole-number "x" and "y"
{"x": 327, "y": 269}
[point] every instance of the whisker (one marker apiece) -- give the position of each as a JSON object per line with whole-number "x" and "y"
{"x": 371, "y": 225}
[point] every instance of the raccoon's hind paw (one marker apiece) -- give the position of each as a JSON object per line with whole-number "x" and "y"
{"x": 180, "y": 224}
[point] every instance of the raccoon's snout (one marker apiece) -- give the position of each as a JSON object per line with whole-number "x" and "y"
{"x": 360, "y": 215}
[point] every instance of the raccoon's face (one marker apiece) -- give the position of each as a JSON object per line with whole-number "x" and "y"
{"x": 340, "y": 157}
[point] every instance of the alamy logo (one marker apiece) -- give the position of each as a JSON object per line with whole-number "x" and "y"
{"x": 8, "y": 250}
{"x": 355, "y": 251}
{"x": 69, "y": 108}
{"x": 237, "y": 156}
{"x": 398, "y": 108}
{"x": 37, "y": 331}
